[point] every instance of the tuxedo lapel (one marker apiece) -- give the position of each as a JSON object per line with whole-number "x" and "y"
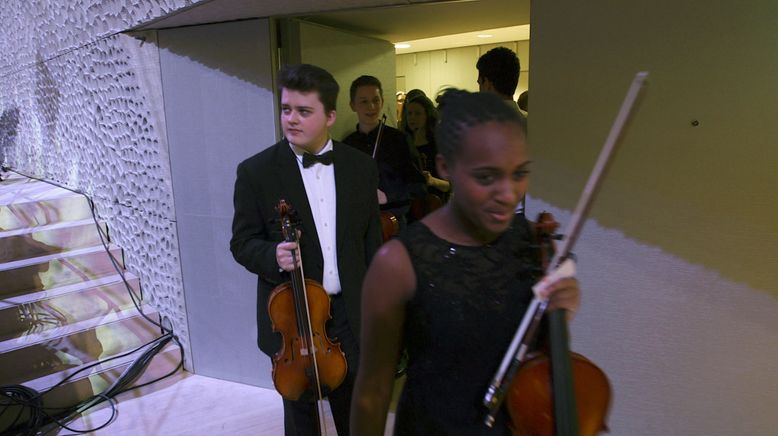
{"x": 288, "y": 173}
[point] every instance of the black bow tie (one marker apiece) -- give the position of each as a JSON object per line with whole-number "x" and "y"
{"x": 310, "y": 159}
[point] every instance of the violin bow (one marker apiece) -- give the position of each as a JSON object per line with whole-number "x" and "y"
{"x": 381, "y": 124}
{"x": 517, "y": 351}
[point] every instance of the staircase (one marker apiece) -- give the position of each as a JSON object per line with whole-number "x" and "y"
{"x": 63, "y": 304}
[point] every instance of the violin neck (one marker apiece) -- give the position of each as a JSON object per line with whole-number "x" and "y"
{"x": 565, "y": 411}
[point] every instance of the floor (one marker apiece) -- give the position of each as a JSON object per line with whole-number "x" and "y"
{"x": 189, "y": 404}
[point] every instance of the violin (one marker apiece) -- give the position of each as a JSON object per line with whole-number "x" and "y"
{"x": 569, "y": 384}
{"x": 309, "y": 365}
{"x": 390, "y": 225}
{"x": 563, "y": 368}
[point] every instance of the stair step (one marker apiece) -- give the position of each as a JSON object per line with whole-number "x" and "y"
{"x": 11, "y": 177}
{"x": 30, "y": 242}
{"x": 72, "y": 346}
{"x": 53, "y": 270}
{"x": 32, "y": 203}
{"x": 45, "y": 310}
{"x": 170, "y": 354}
{"x": 95, "y": 380}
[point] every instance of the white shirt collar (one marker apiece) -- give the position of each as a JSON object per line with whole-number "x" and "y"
{"x": 299, "y": 151}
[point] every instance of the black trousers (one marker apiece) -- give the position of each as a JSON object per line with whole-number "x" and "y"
{"x": 300, "y": 417}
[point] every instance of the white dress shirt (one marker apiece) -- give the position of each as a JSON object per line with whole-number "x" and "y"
{"x": 319, "y": 181}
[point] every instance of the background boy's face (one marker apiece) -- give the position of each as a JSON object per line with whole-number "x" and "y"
{"x": 368, "y": 104}
{"x": 304, "y": 121}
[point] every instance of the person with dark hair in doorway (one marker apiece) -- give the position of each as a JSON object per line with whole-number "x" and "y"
{"x": 453, "y": 287}
{"x": 399, "y": 168}
{"x": 498, "y": 72}
{"x": 333, "y": 189}
{"x": 8, "y": 125}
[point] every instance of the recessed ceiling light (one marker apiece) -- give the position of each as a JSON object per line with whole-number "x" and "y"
{"x": 484, "y": 35}
{"x": 402, "y": 45}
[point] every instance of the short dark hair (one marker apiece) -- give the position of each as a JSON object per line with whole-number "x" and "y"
{"x": 523, "y": 101}
{"x": 461, "y": 110}
{"x": 307, "y": 78}
{"x": 501, "y": 66}
{"x": 365, "y": 81}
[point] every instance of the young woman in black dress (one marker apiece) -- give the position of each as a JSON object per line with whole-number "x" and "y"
{"x": 453, "y": 288}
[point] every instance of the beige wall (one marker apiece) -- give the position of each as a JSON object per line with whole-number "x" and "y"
{"x": 678, "y": 262}
{"x": 705, "y": 193}
{"x": 434, "y": 70}
{"x": 348, "y": 56}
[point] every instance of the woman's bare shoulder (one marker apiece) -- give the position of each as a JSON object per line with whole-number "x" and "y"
{"x": 391, "y": 268}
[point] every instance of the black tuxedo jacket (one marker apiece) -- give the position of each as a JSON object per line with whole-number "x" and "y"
{"x": 272, "y": 175}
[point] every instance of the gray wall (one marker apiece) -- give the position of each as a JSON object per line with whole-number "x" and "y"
{"x": 348, "y": 56}
{"x": 677, "y": 264}
{"x": 219, "y": 105}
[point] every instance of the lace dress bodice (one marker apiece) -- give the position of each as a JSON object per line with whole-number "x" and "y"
{"x": 467, "y": 306}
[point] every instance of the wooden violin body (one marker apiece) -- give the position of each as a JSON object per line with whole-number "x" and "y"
{"x": 293, "y": 364}
{"x": 529, "y": 399}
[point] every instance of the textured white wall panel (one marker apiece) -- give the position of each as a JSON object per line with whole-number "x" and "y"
{"x": 91, "y": 119}
{"x": 41, "y": 29}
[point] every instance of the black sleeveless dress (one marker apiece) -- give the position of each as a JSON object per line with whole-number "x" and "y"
{"x": 468, "y": 304}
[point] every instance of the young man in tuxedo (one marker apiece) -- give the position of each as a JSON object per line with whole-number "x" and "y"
{"x": 333, "y": 189}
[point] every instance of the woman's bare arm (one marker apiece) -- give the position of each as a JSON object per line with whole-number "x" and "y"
{"x": 389, "y": 284}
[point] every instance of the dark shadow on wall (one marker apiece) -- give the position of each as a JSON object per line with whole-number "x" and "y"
{"x": 47, "y": 98}
{"x": 9, "y": 121}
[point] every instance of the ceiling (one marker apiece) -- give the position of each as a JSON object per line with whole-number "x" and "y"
{"x": 405, "y": 23}
{"x": 391, "y": 20}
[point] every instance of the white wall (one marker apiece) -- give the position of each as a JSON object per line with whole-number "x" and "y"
{"x": 219, "y": 104}
{"x": 677, "y": 265}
